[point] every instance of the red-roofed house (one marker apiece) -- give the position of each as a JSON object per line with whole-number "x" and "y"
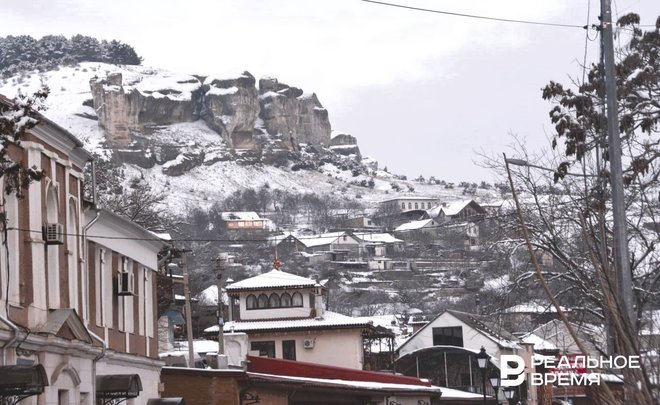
{"x": 284, "y": 382}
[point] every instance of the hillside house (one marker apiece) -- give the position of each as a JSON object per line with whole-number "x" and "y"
{"x": 410, "y": 203}
{"x": 428, "y": 227}
{"x": 465, "y": 210}
{"x": 80, "y": 311}
{"x": 284, "y": 317}
{"x": 453, "y": 330}
{"x": 378, "y": 244}
{"x": 246, "y": 223}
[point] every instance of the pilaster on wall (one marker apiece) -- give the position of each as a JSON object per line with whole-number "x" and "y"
{"x": 34, "y": 244}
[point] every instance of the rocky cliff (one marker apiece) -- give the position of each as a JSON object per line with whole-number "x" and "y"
{"x": 234, "y": 108}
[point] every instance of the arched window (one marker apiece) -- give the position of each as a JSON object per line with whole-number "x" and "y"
{"x": 274, "y": 301}
{"x": 263, "y": 301}
{"x": 251, "y": 302}
{"x": 286, "y": 300}
{"x": 403, "y": 205}
{"x": 409, "y": 205}
{"x": 296, "y": 300}
{"x": 416, "y": 206}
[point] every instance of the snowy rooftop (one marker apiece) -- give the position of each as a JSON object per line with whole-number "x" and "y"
{"x": 272, "y": 279}
{"x": 329, "y": 320}
{"x": 414, "y": 225}
{"x": 245, "y": 216}
{"x": 533, "y": 308}
{"x": 380, "y": 237}
{"x": 455, "y": 207}
{"x": 370, "y": 385}
{"x": 321, "y": 239}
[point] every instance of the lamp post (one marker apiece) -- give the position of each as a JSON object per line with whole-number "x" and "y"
{"x": 495, "y": 383}
{"x": 482, "y": 362}
{"x": 510, "y": 394}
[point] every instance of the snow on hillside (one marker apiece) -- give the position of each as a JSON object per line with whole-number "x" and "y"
{"x": 213, "y": 181}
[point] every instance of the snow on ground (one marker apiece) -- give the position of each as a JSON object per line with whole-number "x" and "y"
{"x": 203, "y": 185}
{"x": 498, "y": 283}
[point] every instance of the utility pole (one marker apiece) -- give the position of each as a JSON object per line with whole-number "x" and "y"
{"x": 623, "y": 275}
{"x": 221, "y": 320}
{"x": 186, "y": 292}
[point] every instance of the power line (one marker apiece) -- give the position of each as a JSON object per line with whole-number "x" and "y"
{"x": 449, "y": 224}
{"x": 481, "y": 17}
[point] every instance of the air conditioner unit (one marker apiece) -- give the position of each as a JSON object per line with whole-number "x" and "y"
{"x": 308, "y": 343}
{"x": 126, "y": 284}
{"x": 53, "y": 234}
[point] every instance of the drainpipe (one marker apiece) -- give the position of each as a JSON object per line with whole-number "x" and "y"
{"x": 14, "y": 337}
{"x": 87, "y": 269}
{"x": 96, "y": 359}
{"x": 84, "y": 235}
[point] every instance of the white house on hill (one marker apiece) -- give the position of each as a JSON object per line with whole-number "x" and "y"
{"x": 284, "y": 317}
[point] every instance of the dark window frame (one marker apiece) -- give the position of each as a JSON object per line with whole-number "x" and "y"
{"x": 448, "y": 336}
{"x": 266, "y": 348}
{"x": 253, "y": 298}
{"x": 289, "y": 349}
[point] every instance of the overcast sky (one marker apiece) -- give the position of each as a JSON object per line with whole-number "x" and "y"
{"x": 422, "y": 92}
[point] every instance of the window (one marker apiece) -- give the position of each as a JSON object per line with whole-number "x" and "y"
{"x": 403, "y": 206}
{"x": 265, "y": 349}
{"x": 289, "y": 349}
{"x": 416, "y": 206}
{"x": 428, "y": 205}
{"x": 251, "y": 302}
{"x": 262, "y": 301}
{"x": 409, "y": 206}
{"x": 274, "y": 301}
{"x": 450, "y": 336}
{"x": 286, "y": 300}
{"x": 297, "y": 300}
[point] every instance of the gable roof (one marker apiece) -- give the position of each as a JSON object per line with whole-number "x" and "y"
{"x": 272, "y": 279}
{"x": 376, "y": 237}
{"x": 240, "y": 216}
{"x": 454, "y": 208}
{"x": 498, "y": 335}
{"x": 322, "y": 239}
{"x": 415, "y": 225}
{"x": 65, "y": 323}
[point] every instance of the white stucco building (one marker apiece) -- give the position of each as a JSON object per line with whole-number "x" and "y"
{"x": 284, "y": 317}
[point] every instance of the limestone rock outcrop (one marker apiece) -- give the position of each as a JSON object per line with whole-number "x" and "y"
{"x": 344, "y": 144}
{"x": 143, "y": 112}
{"x": 231, "y": 109}
{"x": 123, "y": 108}
{"x": 292, "y": 115}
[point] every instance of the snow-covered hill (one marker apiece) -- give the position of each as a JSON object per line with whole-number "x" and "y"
{"x": 220, "y": 170}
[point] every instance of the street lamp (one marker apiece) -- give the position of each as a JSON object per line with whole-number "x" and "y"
{"x": 495, "y": 383}
{"x": 524, "y": 163}
{"x": 482, "y": 361}
{"x": 509, "y": 394}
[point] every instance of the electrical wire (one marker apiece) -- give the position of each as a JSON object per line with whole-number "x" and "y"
{"x": 450, "y": 224}
{"x": 481, "y": 17}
